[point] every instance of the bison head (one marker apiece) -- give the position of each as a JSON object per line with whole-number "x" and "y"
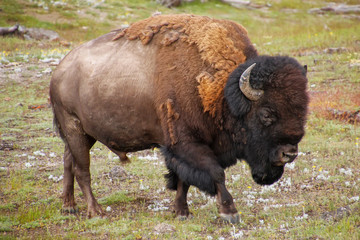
{"x": 271, "y": 106}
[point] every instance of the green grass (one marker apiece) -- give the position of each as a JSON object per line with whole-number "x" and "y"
{"x": 323, "y": 179}
{"x": 117, "y": 197}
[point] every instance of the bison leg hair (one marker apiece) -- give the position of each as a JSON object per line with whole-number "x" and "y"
{"x": 181, "y": 206}
{"x": 196, "y": 164}
{"x": 227, "y": 208}
{"x": 69, "y": 205}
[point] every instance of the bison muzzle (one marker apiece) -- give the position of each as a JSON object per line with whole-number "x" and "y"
{"x": 194, "y": 86}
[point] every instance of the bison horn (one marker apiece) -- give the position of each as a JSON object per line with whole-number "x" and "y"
{"x": 245, "y": 87}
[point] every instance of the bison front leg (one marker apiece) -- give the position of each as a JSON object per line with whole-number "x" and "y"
{"x": 227, "y": 208}
{"x": 181, "y": 206}
{"x": 196, "y": 164}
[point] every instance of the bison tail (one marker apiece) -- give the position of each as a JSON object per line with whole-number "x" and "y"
{"x": 57, "y": 126}
{"x": 180, "y": 168}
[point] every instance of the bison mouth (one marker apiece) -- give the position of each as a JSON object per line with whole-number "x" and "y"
{"x": 268, "y": 177}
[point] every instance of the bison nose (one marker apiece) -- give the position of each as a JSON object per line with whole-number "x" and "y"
{"x": 288, "y": 153}
{"x": 285, "y": 154}
{"x": 288, "y": 157}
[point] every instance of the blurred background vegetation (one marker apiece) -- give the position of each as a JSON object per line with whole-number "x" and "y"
{"x": 323, "y": 180}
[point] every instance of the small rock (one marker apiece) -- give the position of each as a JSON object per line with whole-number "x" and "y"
{"x": 65, "y": 43}
{"x": 6, "y": 146}
{"x": 169, "y": 3}
{"x": 47, "y": 60}
{"x": 47, "y": 71}
{"x": 164, "y": 228}
{"x": 3, "y": 169}
{"x": 335, "y": 50}
{"x": 336, "y": 8}
{"x": 118, "y": 172}
{"x": 41, "y": 34}
{"x": 338, "y": 214}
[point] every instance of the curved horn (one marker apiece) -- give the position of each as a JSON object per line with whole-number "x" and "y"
{"x": 244, "y": 83}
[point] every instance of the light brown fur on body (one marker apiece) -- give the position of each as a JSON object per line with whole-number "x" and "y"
{"x": 216, "y": 41}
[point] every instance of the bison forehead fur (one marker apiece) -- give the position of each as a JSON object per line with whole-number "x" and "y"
{"x": 185, "y": 83}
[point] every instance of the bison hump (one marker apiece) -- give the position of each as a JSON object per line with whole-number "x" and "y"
{"x": 221, "y": 44}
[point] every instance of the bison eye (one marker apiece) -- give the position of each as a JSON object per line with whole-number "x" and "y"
{"x": 267, "y": 117}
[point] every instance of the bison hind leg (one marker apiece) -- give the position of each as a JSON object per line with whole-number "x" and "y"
{"x": 69, "y": 205}
{"x": 76, "y": 162}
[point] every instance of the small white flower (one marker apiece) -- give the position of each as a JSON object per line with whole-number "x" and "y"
{"x": 346, "y": 171}
{"x": 27, "y": 165}
{"x": 235, "y": 177}
{"x": 354, "y": 199}
{"x": 108, "y": 209}
{"x": 39, "y": 153}
{"x": 290, "y": 165}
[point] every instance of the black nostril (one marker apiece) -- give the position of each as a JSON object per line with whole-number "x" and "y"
{"x": 289, "y": 156}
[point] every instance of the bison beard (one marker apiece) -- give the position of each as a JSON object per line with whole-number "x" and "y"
{"x": 189, "y": 84}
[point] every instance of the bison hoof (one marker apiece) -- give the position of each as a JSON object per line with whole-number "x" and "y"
{"x": 70, "y": 210}
{"x": 184, "y": 217}
{"x": 95, "y": 212}
{"x": 230, "y": 218}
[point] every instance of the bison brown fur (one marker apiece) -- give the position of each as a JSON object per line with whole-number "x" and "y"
{"x": 194, "y": 86}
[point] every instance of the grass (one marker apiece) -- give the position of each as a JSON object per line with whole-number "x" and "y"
{"x": 324, "y": 177}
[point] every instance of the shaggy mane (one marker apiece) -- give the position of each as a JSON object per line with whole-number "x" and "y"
{"x": 221, "y": 43}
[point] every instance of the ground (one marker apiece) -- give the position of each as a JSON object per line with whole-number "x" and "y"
{"x": 317, "y": 197}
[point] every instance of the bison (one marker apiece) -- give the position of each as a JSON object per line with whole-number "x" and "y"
{"x": 193, "y": 85}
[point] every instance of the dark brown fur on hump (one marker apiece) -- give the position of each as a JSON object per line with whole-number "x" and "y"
{"x": 221, "y": 44}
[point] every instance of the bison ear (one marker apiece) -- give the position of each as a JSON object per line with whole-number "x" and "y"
{"x": 266, "y": 117}
{"x": 305, "y": 67}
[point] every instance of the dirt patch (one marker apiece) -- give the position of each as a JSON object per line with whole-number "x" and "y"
{"x": 330, "y": 104}
{"x": 52, "y": 17}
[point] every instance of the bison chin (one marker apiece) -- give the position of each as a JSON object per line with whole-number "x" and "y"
{"x": 269, "y": 176}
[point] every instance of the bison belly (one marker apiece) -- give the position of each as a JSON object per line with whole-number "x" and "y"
{"x": 109, "y": 86}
